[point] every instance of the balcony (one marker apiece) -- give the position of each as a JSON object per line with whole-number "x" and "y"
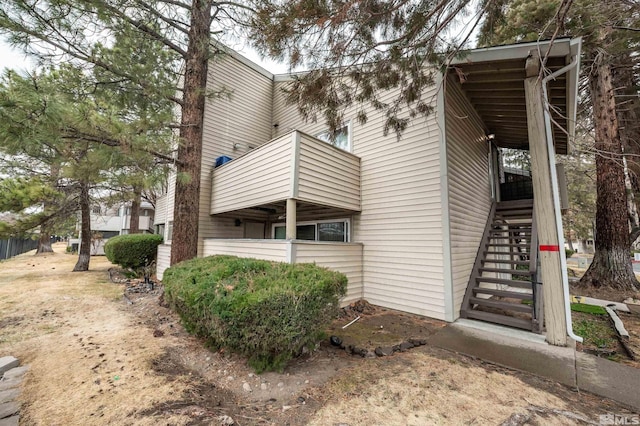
{"x": 294, "y": 166}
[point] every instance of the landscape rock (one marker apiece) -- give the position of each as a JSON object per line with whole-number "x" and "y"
{"x": 246, "y": 387}
{"x": 384, "y": 351}
{"x": 15, "y": 373}
{"x": 264, "y": 386}
{"x": 8, "y": 409}
{"x": 405, "y": 346}
{"x": 7, "y": 363}
{"x": 226, "y": 421}
{"x": 9, "y": 384}
{"x": 417, "y": 342}
{"x": 9, "y": 395}
{"x": 10, "y": 421}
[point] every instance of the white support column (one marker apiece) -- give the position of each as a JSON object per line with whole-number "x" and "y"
{"x": 291, "y": 219}
{"x": 550, "y": 263}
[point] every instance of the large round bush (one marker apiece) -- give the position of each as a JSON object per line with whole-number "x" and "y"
{"x": 133, "y": 250}
{"x": 267, "y": 311}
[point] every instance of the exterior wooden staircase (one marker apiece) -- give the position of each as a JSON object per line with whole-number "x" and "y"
{"x": 503, "y": 287}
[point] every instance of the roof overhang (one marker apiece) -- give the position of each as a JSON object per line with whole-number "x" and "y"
{"x": 493, "y": 80}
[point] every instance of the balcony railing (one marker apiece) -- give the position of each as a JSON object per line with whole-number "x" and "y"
{"x": 296, "y": 166}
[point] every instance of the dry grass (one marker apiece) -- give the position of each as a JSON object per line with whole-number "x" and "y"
{"x": 426, "y": 390}
{"x": 94, "y": 361}
{"x": 89, "y": 360}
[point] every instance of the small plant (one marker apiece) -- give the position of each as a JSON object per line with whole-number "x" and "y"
{"x": 588, "y": 309}
{"x": 266, "y": 311}
{"x": 569, "y": 252}
{"x": 133, "y": 251}
{"x": 595, "y": 333}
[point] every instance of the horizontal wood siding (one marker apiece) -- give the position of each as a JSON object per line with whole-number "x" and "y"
{"x": 401, "y": 220}
{"x": 469, "y": 189}
{"x": 160, "y": 215}
{"x": 170, "y": 203}
{"x": 260, "y": 177}
{"x": 341, "y": 257}
{"x": 164, "y": 259}
{"x": 259, "y": 249}
{"x": 327, "y": 175}
{"x": 233, "y": 125}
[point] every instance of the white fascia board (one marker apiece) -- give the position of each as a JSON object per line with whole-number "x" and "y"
{"x": 572, "y": 87}
{"x": 235, "y": 55}
{"x": 449, "y": 308}
{"x": 560, "y": 47}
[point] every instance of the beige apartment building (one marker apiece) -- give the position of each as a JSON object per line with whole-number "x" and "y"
{"x": 413, "y": 222}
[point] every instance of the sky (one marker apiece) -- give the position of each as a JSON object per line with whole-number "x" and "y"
{"x": 17, "y": 60}
{"x": 14, "y": 59}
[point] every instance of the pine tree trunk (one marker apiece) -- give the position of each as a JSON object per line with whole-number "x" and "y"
{"x": 85, "y": 230}
{"x": 612, "y": 262}
{"x": 44, "y": 242}
{"x": 184, "y": 244}
{"x": 134, "y": 221}
{"x": 628, "y": 113}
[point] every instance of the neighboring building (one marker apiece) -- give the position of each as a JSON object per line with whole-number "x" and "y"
{"x": 115, "y": 220}
{"x": 403, "y": 219}
{"x": 109, "y": 221}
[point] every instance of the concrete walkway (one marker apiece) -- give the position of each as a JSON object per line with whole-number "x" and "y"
{"x": 529, "y": 352}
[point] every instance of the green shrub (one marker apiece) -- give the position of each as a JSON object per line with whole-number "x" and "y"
{"x": 132, "y": 251}
{"x": 569, "y": 252}
{"x": 266, "y": 311}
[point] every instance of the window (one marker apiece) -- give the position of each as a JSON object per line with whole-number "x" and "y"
{"x": 341, "y": 138}
{"x": 169, "y": 230}
{"x": 159, "y": 229}
{"x": 96, "y": 210}
{"x": 326, "y": 230}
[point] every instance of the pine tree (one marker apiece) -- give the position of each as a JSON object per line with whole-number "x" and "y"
{"x": 60, "y": 121}
{"x": 69, "y": 30}
{"x": 356, "y": 50}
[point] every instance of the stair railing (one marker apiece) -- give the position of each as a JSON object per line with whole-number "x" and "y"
{"x": 475, "y": 272}
{"x": 536, "y": 286}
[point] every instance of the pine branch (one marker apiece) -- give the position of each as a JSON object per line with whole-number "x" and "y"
{"x": 121, "y": 13}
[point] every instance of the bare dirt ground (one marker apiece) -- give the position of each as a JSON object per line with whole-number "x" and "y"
{"x": 631, "y": 323}
{"x": 99, "y": 358}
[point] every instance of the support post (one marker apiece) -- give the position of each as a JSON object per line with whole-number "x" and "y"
{"x": 291, "y": 219}
{"x": 550, "y": 264}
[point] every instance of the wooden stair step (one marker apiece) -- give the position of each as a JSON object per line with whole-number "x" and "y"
{"x": 498, "y": 319}
{"x": 514, "y": 203}
{"x": 507, "y": 271}
{"x": 509, "y": 236}
{"x": 503, "y": 293}
{"x": 511, "y": 230}
{"x": 508, "y": 253}
{"x": 509, "y": 262}
{"x": 508, "y": 245}
{"x": 526, "y": 212}
{"x": 512, "y": 283}
{"x": 496, "y": 304}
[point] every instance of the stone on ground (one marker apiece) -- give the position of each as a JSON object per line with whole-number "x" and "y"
{"x": 7, "y": 363}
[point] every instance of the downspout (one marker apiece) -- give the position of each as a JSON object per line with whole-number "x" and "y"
{"x": 556, "y": 199}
